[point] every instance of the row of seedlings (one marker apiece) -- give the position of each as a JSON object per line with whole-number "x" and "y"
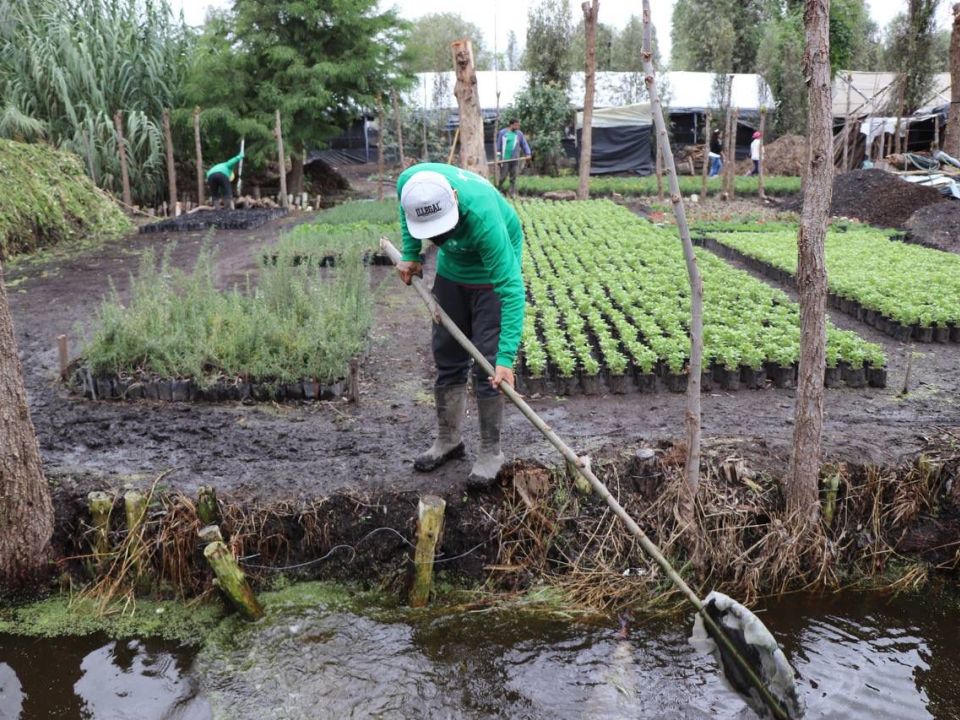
{"x": 906, "y": 291}
{"x": 609, "y": 306}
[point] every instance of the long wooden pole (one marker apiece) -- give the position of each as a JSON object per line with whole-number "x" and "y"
{"x": 282, "y": 159}
{"x": 199, "y": 150}
{"x": 576, "y": 462}
{"x": 398, "y": 121}
{"x": 171, "y": 168}
{"x": 122, "y": 149}
{"x": 706, "y": 157}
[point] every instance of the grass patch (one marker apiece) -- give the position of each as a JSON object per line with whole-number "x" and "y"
{"x": 295, "y": 324}
{"x": 646, "y": 186}
{"x": 377, "y": 212}
{"x": 46, "y": 198}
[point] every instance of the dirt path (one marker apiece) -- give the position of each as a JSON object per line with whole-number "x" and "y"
{"x": 290, "y": 451}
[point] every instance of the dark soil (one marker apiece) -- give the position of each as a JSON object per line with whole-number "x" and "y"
{"x": 269, "y": 451}
{"x": 936, "y": 226}
{"x": 879, "y": 198}
{"x": 222, "y": 219}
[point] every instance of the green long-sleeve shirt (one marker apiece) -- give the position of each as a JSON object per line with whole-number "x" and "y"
{"x": 485, "y": 250}
{"x": 225, "y": 167}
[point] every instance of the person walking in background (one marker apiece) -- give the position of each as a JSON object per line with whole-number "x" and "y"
{"x": 219, "y": 179}
{"x": 509, "y": 143}
{"x": 756, "y": 150}
{"x": 716, "y": 154}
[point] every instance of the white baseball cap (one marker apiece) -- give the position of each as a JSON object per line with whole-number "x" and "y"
{"x": 429, "y": 205}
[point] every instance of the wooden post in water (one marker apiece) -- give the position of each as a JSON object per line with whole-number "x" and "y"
{"x": 63, "y": 352}
{"x": 100, "y": 505}
{"x": 232, "y": 581}
{"x": 278, "y": 134}
{"x": 208, "y": 509}
{"x": 199, "y": 149}
{"x": 429, "y": 529}
{"x": 171, "y": 168}
{"x": 706, "y": 157}
{"x": 122, "y": 150}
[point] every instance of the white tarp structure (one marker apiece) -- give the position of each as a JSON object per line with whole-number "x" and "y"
{"x": 875, "y": 93}
{"x": 682, "y": 91}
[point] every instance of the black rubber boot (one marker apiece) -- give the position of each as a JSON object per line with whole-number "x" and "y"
{"x": 490, "y": 459}
{"x": 450, "y": 400}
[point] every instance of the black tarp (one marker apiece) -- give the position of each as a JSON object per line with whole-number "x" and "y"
{"x": 621, "y": 149}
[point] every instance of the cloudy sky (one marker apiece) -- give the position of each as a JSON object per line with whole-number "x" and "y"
{"x": 508, "y": 15}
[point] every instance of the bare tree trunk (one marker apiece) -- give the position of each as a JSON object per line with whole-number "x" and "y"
{"x": 282, "y": 159}
{"x": 496, "y": 145}
{"x": 706, "y": 156}
{"x": 730, "y": 174}
{"x": 763, "y": 126}
{"x": 846, "y": 128}
{"x": 171, "y": 168}
{"x": 26, "y": 511}
{"x": 692, "y": 416}
{"x": 296, "y": 171}
{"x": 951, "y": 143}
{"x": 802, "y": 490}
{"x": 473, "y": 155}
{"x": 122, "y": 149}
{"x": 199, "y": 147}
{"x": 590, "y": 12}
{"x": 398, "y": 121}
{"x": 379, "y": 148}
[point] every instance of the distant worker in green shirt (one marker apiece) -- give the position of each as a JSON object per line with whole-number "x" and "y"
{"x": 479, "y": 284}
{"x": 510, "y": 141}
{"x": 219, "y": 178}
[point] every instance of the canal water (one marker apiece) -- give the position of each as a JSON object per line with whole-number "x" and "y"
{"x": 859, "y": 657}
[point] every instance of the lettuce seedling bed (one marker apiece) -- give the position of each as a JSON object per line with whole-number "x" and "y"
{"x": 608, "y": 310}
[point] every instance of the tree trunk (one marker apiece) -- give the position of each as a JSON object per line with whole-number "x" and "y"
{"x": 706, "y": 156}
{"x": 951, "y": 143}
{"x": 296, "y": 171}
{"x": 692, "y": 415}
{"x": 398, "y": 120}
{"x": 122, "y": 150}
{"x": 802, "y": 490}
{"x": 763, "y": 140}
{"x": 199, "y": 148}
{"x": 380, "y": 120}
{"x": 730, "y": 164}
{"x": 26, "y": 511}
{"x": 282, "y": 160}
{"x": 590, "y": 12}
{"x": 171, "y": 168}
{"x": 496, "y": 147}
{"x": 473, "y": 155}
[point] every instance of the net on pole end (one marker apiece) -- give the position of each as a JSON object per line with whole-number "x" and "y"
{"x": 755, "y": 645}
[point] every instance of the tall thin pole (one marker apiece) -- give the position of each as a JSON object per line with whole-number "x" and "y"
{"x": 122, "y": 150}
{"x": 199, "y": 151}
{"x": 171, "y": 168}
{"x": 692, "y": 415}
{"x": 706, "y": 156}
{"x": 763, "y": 124}
{"x": 282, "y": 159}
{"x": 590, "y": 12}
{"x": 379, "y": 148}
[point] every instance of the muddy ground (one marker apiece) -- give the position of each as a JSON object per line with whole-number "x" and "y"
{"x": 291, "y": 451}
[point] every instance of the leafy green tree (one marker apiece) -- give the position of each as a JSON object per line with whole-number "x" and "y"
{"x": 605, "y": 40}
{"x": 544, "y": 112}
{"x": 318, "y": 62}
{"x": 628, "y": 46}
{"x": 723, "y": 38}
{"x": 429, "y": 46}
{"x": 910, "y": 51}
{"x": 549, "y": 35}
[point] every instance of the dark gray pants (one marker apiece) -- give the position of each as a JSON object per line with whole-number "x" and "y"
{"x": 508, "y": 172}
{"x": 476, "y": 311}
